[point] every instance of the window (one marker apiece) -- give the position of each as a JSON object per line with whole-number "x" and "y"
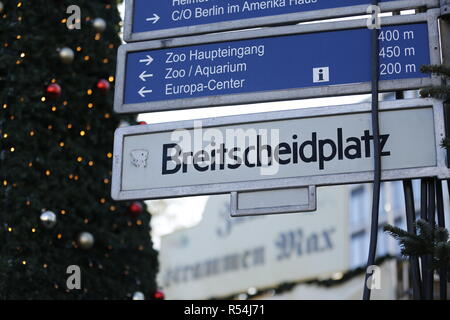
{"x": 391, "y": 211}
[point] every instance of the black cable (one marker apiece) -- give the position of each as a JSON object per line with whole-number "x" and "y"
{"x": 377, "y": 160}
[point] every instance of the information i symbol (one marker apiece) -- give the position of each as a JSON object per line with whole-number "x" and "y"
{"x": 321, "y": 74}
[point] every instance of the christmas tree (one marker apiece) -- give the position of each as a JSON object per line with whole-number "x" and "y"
{"x": 57, "y": 126}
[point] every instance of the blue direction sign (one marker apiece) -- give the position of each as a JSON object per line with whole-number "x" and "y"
{"x": 154, "y": 19}
{"x": 267, "y": 69}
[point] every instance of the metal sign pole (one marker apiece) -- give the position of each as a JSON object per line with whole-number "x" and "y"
{"x": 431, "y": 215}
{"x": 410, "y": 219}
{"x": 376, "y": 158}
{"x": 445, "y": 36}
{"x": 441, "y": 224}
{"x": 423, "y": 215}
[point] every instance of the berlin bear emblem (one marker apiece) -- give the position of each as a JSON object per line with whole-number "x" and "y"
{"x": 139, "y": 158}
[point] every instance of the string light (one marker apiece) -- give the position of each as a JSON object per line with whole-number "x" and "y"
{"x": 82, "y": 133}
{"x": 79, "y": 159}
{"x": 109, "y": 155}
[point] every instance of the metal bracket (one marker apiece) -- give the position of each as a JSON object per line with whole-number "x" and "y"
{"x": 445, "y": 8}
{"x": 274, "y": 201}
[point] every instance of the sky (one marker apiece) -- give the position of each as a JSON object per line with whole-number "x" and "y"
{"x": 186, "y": 212}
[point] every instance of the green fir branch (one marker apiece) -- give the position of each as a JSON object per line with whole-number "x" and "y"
{"x": 440, "y": 92}
{"x": 436, "y": 69}
{"x": 428, "y": 240}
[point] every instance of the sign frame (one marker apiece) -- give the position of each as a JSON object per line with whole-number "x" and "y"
{"x": 440, "y": 170}
{"x": 289, "y": 18}
{"x": 430, "y": 17}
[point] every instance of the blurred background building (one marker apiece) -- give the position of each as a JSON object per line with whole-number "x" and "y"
{"x": 319, "y": 255}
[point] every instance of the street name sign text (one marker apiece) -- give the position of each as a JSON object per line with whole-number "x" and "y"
{"x": 306, "y": 147}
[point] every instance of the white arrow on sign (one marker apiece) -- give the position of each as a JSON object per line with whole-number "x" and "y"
{"x": 148, "y": 60}
{"x": 154, "y": 19}
{"x": 145, "y": 75}
{"x": 142, "y": 92}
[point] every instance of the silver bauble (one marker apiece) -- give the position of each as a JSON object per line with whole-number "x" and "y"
{"x": 85, "y": 240}
{"x": 66, "y": 55}
{"x": 1, "y": 7}
{"x": 99, "y": 24}
{"x": 48, "y": 219}
{"x": 138, "y": 296}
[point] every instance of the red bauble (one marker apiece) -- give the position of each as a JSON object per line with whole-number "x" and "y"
{"x": 53, "y": 91}
{"x": 142, "y": 122}
{"x": 103, "y": 85}
{"x": 159, "y": 295}
{"x": 135, "y": 209}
